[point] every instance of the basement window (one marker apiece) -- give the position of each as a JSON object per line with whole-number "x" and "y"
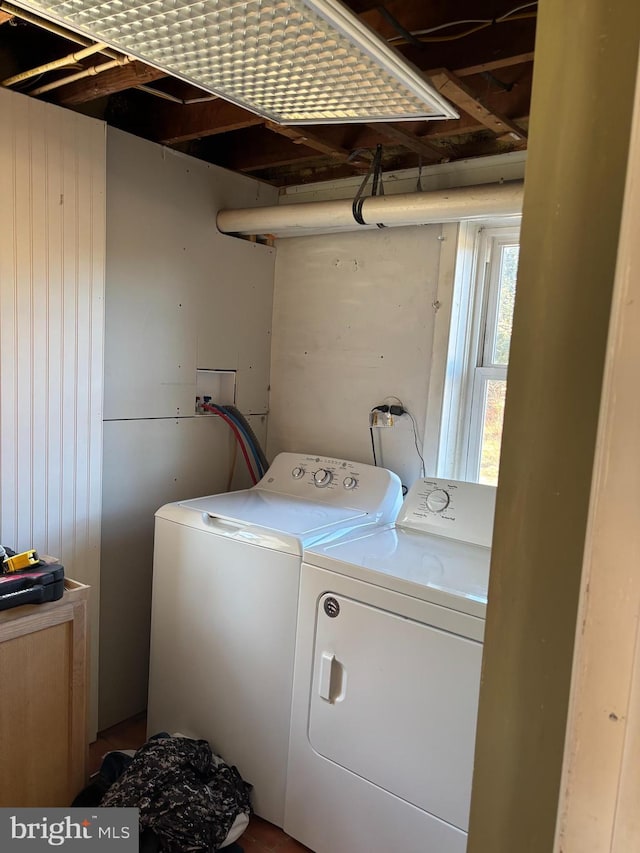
{"x": 477, "y": 358}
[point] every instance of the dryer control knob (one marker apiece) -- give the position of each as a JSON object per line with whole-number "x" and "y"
{"x": 349, "y": 482}
{"x": 297, "y": 473}
{"x": 438, "y": 500}
{"x": 322, "y": 477}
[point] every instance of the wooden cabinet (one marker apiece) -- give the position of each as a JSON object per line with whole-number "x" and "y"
{"x": 43, "y": 700}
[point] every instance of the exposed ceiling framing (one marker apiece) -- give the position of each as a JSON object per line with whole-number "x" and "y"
{"x": 484, "y": 69}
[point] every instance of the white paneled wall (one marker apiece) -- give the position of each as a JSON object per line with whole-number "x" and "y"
{"x": 179, "y": 296}
{"x": 150, "y": 462}
{"x": 52, "y": 253}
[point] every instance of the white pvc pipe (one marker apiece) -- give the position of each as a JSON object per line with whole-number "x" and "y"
{"x": 88, "y": 72}
{"x": 56, "y": 63}
{"x": 419, "y": 208}
{"x": 44, "y": 24}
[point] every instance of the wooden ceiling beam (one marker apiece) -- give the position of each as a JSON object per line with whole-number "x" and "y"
{"x": 451, "y": 87}
{"x": 284, "y": 159}
{"x": 171, "y": 123}
{"x": 310, "y": 140}
{"x": 493, "y": 65}
{"x": 304, "y": 173}
{"x": 451, "y": 128}
{"x": 303, "y": 136}
{"x": 496, "y": 47}
{"x": 255, "y": 149}
{"x": 461, "y": 127}
{"x": 408, "y": 140}
{"x": 108, "y": 83}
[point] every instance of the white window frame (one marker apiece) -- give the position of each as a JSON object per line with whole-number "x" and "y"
{"x": 466, "y": 307}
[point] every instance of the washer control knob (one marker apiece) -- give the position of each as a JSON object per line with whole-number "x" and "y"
{"x": 438, "y": 500}
{"x": 297, "y": 473}
{"x": 322, "y": 477}
{"x": 349, "y": 482}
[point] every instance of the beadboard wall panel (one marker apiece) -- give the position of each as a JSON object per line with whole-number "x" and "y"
{"x": 52, "y": 256}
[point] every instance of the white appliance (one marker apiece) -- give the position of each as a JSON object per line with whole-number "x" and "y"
{"x": 387, "y": 676}
{"x": 225, "y": 597}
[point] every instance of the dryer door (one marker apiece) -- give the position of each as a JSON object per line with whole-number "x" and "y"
{"x": 395, "y": 701}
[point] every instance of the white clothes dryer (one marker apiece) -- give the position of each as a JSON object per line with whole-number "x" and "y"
{"x": 225, "y": 596}
{"x": 387, "y": 676}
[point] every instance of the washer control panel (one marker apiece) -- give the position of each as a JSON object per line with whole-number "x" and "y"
{"x": 338, "y": 481}
{"x": 322, "y": 477}
{"x": 452, "y": 508}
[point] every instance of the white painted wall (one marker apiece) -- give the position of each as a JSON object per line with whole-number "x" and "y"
{"x": 147, "y": 464}
{"x": 180, "y": 296}
{"x": 353, "y": 323}
{"x": 52, "y": 251}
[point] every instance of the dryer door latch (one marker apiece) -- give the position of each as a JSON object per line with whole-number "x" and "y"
{"x": 332, "y": 678}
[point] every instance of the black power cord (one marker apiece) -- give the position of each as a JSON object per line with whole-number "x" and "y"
{"x": 375, "y": 170}
{"x": 373, "y": 447}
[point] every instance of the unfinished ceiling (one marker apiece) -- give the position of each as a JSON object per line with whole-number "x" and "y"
{"x": 477, "y": 53}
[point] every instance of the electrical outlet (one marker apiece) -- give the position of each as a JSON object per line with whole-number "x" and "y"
{"x": 380, "y": 419}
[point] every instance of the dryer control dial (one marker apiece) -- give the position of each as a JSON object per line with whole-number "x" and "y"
{"x": 322, "y": 477}
{"x": 438, "y": 500}
{"x": 297, "y": 473}
{"x": 349, "y": 482}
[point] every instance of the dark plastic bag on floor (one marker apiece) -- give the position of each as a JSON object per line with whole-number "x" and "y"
{"x": 189, "y": 799}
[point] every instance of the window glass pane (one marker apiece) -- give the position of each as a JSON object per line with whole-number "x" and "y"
{"x": 506, "y": 297}
{"x": 494, "y": 394}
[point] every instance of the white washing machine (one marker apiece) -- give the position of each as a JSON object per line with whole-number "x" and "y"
{"x": 387, "y": 676}
{"x": 225, "y": 597}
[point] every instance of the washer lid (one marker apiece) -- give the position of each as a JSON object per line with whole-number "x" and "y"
{"x": 307, "y": 521}
{"x": 434, "y": 568}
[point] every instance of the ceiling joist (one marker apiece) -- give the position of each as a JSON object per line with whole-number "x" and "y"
{"x": 317, "y": 143}
{"x": 173, "y": 123}
{"x": 495, "y": 65}
{"x": 451, "y": 87}
{"x": 255, "y": 149}
{"x": 108, "y": 83}
{"x": 410, "y": 141}
{"x": 465, "y": 126}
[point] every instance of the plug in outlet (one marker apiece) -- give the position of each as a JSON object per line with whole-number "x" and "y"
{"x": 380, "y": 419}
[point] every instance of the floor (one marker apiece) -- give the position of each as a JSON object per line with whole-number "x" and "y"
{"x": 260, "y": 836}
